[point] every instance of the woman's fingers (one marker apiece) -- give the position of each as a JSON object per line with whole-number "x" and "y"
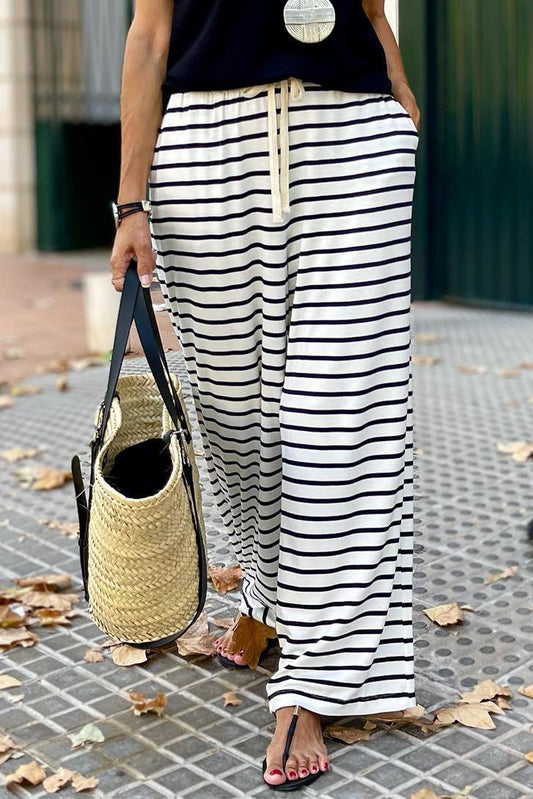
{"x": 132, "y": 240}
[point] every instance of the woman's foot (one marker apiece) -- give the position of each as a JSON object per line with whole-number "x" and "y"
{"x": 223, "y": 644}
{"x": 308, "y": 752}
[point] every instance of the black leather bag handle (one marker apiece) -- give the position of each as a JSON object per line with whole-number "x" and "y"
{"x": 136, "y": 304}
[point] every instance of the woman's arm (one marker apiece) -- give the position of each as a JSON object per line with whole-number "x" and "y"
{"x": 375, "y": 11}
{"x": 145, "y": 58}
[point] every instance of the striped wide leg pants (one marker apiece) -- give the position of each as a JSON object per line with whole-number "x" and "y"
{"x": 295, "y": 327}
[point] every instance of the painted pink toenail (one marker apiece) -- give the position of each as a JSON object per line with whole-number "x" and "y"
{"x": 276, "y": 771}
{"x": 292, "y": 774}
{"x": 304, "y": 771}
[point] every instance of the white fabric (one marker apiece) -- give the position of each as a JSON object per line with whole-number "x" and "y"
{"x": 296, "y": 338}
{"x": 279, "y": 178}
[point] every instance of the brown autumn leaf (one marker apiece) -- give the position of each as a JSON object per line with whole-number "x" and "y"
{"x": 16, "y": 637}
{"x": 224, "y": 621}
{"x": 529, "y": 756}
{"x": 231, "y": 698}
{"x": 144, "y": 705}
{"x": 349, "y": 735}
{"x": 410, "y": 714}
{"x": 64, "y": 776}
{"x": 503, "y": 575}
{"x": 19, "y": 390}
{"x": 520, "y": 451}
{"x": 41, "y": 478}
{"x": 526, "y": 690}
{"x": 49, "y": 599}
{"x": 429, "y": 793}
{"x": 125, "y": 655}
{"x": 5, "y": 401}
{"x": 8, "y": 617}
{"x": 250, "y": 636}
{"x": 69, "y": 529}
{"x": 443, "y": 615}
{"x": 225, "y": 578}
{"x": 30, "y": 772}
{"x": 7, "y": 681}
{"x": 18, "y": 453}
{"x": 39, "y": 581}
{"x": 487, "y": 689}
{"x": 430, "y": 360}
{"x": 470, "y": 715}
{"x": 471, "y": 369}
{"x": 427, "y": 337}
{"x": 507, "y": 372}
{"x": 197, "y": 640}
{"x": 6, "y": 743}
{"x": 93, "y": 655}
{"x": 62, "y": 383}
{"x": 50, "y": 617}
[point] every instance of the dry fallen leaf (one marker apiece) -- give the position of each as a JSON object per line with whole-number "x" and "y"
{"x": 443, "y": 615}
{"x": 49, "y": 599}
{"x": 197, "y": 640}
{"x": 93, "y": 655}
{"x": 6, "y": 743}
{"x": 250, "y": 636}
{"x": 471, "y": 369}
{"x": 41, "y": 478}
{"x": 5, "y": 401}
{"x": 427, "y": 359}
{"x": 62, "y": 383}
{"x": 50, "y": 617}
{"x": 487, "y": 689}
{"x": 231, "y": 698}
{"x": 7, "y": 681}
{"x": 64, "y": 775}
{"x": 529, "y": 756}
{"x": 470, "y": 715}
{"x": 89, "y": 733}
{"x": 8, "y": 617}
{"x": 224, "y": 621}
{"x": 508, "y": 572}
{"x": 20, "y": 390}
{"x": 40, "y": 581}
{"x": 348, "y": 735}
{"x": 143, "y": 705}
{"x": 16, "y": 637}
{"x": 69, "y": 529}
{"x": 429, "y": 793}
{"x": 521, "y": 451}
{"x": 30, "y": 772}
{"x": 526, "y": 690}
{"x": 125, "y": 655}
{"x": 18, "y": 453}
{"x": 427, "y": 337}
{"x": 225, "y": 578}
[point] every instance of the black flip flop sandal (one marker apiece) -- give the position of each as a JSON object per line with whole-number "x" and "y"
{"x": 291, "y": 785}
{"x": 228, "y": 663}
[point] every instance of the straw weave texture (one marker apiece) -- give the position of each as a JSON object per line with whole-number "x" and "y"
{"x": 143, "y": 560}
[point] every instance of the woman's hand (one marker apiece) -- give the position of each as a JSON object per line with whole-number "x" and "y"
{"x": 132, "y": 239}
{"x": 402, "y": 92}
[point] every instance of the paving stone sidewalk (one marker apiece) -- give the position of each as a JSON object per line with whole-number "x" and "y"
{"x": 472, "y": 504}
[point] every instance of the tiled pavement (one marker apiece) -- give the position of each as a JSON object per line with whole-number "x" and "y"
{"x": 471, "y": 507}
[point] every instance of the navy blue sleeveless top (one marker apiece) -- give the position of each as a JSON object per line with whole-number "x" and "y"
{"x": 228, "y": 44}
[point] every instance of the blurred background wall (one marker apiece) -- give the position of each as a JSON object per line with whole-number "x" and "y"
{"x": 469, "y": 64}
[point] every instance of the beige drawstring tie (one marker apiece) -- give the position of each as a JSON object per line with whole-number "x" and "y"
{"x": 279, "y": 178}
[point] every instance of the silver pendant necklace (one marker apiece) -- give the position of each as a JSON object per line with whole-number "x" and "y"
{"x": 309, "y": 20}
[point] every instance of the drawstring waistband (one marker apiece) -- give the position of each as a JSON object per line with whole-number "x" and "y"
{"x": 279, "y": 178}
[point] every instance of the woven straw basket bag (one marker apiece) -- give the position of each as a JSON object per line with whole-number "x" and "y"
{"x": 142, "y": 534}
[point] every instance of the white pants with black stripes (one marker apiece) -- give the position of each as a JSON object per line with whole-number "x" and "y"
{"x": 288, "y": 277}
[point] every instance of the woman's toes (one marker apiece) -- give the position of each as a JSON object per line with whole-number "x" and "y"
{"x": 323, "y": 762}
{"x": 303, "y": 767}
{"x": 274, "y": 774}
{"x": 313, "y": 766}
{"x": 291, "y": 769}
